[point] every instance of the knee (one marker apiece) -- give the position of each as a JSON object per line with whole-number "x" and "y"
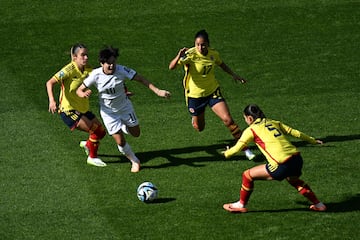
{"x": 198, "y": 126}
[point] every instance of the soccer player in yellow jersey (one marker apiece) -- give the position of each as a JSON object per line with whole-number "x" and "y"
{"x": 73, "y": 109}
{"x": 283, "y": 159}
{"x": 202, "y": 88}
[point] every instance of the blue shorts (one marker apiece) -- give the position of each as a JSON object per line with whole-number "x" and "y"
{"x": 291, "y": 168}
{"x": 71, "y": 118}
{"x": 196, "y": 106}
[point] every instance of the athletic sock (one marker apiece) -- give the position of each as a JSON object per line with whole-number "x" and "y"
{"x": 126, "y": 150}
{"x": 235, "y": 130}
{"x": 304, "y": 190}
{"x": 93, "y": 148}
{"x": 246, "y": 187}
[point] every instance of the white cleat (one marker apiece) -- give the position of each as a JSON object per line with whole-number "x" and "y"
{"x": 95, "y": 162}
{"x": 86, "y": 149}
{"x": 250, "y": 155}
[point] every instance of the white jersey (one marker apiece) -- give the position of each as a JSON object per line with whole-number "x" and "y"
{"x": 112, "y": 96}
{"x": 116, "y": 108}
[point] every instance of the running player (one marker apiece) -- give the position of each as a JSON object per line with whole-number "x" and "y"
{"x": 116, "y": 108}
{"x": 202, "y": 88}
{"x": 74, "y": 110}
{"x": 284, "y": 160}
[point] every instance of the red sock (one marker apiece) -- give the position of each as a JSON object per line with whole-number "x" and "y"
{"x": 304, "y": 190}
{"x": 246, "y": 187}
{"x": 93, "y": 148}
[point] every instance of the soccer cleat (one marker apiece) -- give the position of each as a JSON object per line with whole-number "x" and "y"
{"x": 320, "y": 207}
{"x": 230, "y": 208}
{"x": 95, "y": 162}
{"x": 86, "y": 149}
{"x": 250, "y": 155}
{"x": 135, "y": 167}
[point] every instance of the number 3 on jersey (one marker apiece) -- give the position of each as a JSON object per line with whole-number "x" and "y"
{"x": 271, "y": 128}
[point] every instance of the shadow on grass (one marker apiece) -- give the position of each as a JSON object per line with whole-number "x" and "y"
{"x": 175, "y": 159}
{"x": 162, "y": 200}
{"x": 330, "y": 139}
{"x": 351, "y": 204}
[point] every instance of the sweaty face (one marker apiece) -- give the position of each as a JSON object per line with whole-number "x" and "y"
{"x": 109, "y": 66}
{"x": 201, "y": 45}
{"x": 81, "y": 57}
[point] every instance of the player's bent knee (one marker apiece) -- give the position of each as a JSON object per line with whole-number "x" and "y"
{"x": 97, "y": 131}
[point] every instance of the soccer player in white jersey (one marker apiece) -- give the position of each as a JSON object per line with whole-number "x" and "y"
{"x": 116, "y": 108}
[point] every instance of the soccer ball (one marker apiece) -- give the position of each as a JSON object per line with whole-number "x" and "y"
{"x": 147, "y": 192}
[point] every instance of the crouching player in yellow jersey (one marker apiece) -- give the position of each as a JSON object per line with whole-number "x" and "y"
{"x": 283, "y": 159}
{"x": 73, "y": 109}
{"x": 201, "y": 86}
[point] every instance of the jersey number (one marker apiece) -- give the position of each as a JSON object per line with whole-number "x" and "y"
{"x": 110, "y": 91}
{"x": 206, "y": 70}
{"x": 271, "y": 128}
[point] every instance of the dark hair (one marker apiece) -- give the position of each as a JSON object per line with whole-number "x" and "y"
{"x": 107, "y": 53}
{"x": 75, "y": 48}
{"x": 203, "y": 34}
{"x": 254, "y": 111}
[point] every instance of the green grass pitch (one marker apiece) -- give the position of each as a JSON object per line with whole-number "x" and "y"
{"x": 301, "y": 59}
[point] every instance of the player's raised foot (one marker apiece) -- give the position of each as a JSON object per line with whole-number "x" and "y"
{"x": 95, "y": 162}
{"x": 135, "y": 167}
{"x": 249, "y": 154}
{"x": 235, "y": 208}
{"x": 320, "y": 207}
{"x": 86, "y": 149}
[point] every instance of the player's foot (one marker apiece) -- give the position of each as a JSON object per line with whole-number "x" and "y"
{"x": 83, "y": 145}
{"x": 249, "y": 154}
{"x": 320, "y": 207}
{"x": 95, "y": 162}
{"x": 234, "y": 208}
{"x": 135, "y": 167}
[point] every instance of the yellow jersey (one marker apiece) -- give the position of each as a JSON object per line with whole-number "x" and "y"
{"x": 269, "y": 136}
{"x": 70, "y": 78}
{"x": 199, "y": 80}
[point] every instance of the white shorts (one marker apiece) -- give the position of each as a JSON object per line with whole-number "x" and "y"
{"x": 114, "y": 121}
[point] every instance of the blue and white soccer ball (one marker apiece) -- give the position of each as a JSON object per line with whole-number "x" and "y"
{"x": 147, "y": 192}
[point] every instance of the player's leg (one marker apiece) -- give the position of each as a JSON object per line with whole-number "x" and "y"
{"x": 125, "y": 149}
{"x": 221, "y": 109}
{"x": 196, "y": 108}
{"x": 92, "y": 125}
{"x": 305, "y": 190}
{"x": 247, "y": 186}
{"x": 198, "y": 122}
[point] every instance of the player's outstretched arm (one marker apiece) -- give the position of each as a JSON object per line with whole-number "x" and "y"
{"x": 228, "y": 70}
{"x": 147, "y": 83}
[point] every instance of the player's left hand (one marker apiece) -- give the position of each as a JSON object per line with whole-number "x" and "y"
{"x": 164, "y": 94}
{"x": 238, "y": 78}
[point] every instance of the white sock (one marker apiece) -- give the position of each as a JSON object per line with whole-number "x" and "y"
{"x": 124, "y": 129}
{"x": 126, "y": 150}
{"x": 237, "y": 205}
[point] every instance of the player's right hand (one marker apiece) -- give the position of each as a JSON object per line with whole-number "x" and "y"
{"x": 52, "y": 107}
